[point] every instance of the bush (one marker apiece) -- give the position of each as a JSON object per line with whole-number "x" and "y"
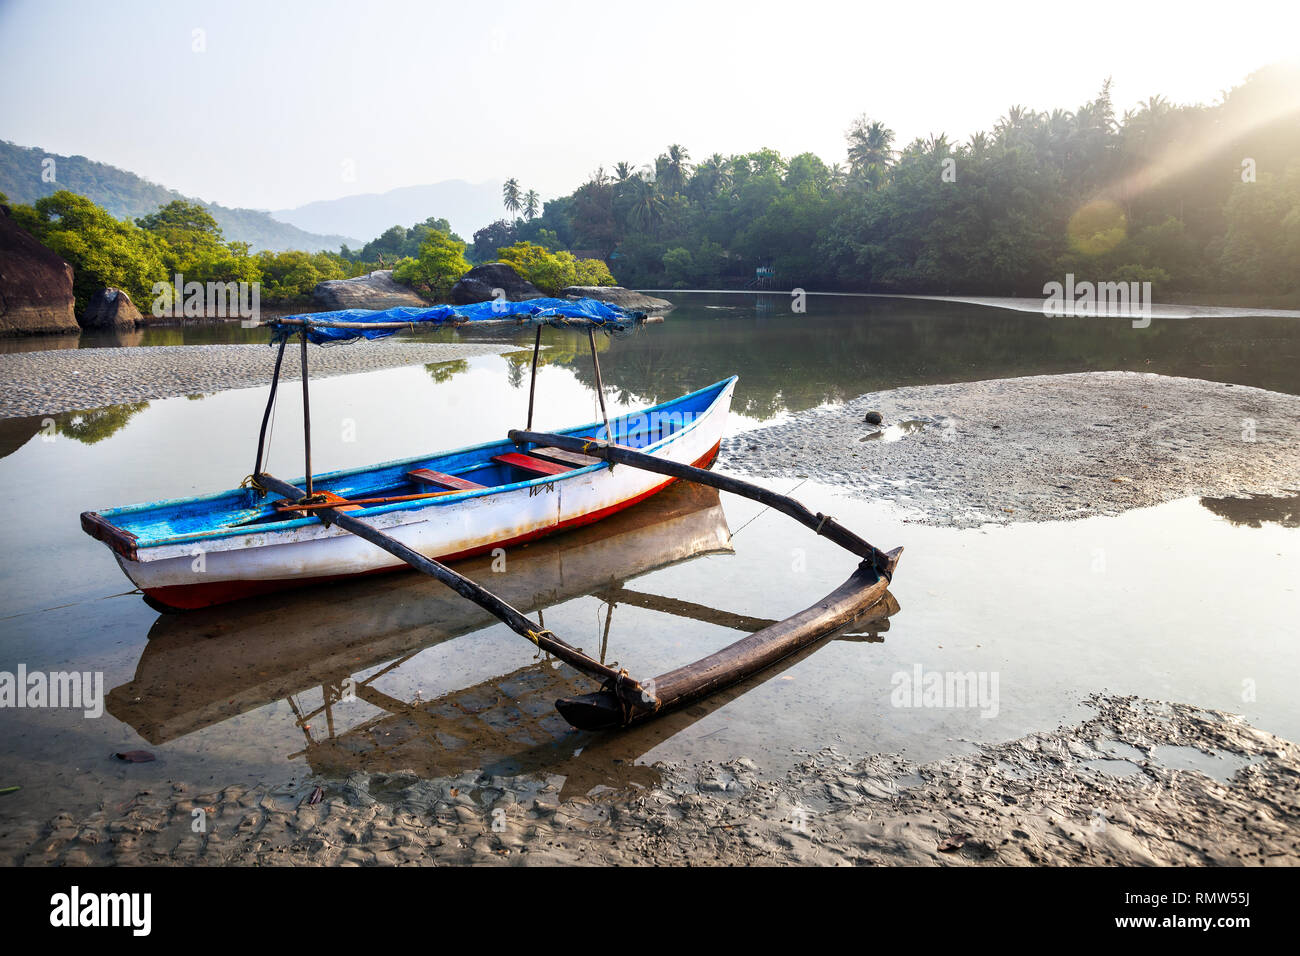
{"x": 441, "y": 263}
{"x": 552, "y": 271}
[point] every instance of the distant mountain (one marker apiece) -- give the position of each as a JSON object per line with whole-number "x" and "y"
{"x": 128, "y": 196}
{"x": 467, "y": 206}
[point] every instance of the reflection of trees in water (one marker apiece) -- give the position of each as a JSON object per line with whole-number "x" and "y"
{"x": 445, "y": 371}
{"x": 560, "y": 347}
{"x": 87, "y": 427}
{"x": 1255, "y": 511}
{"x": 841, "y": 349}
{"x": 96, "y": 425}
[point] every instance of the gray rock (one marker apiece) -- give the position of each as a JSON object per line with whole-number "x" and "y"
{"x": 619, "y": 296}
{"x": 35, "y": 285}
{"x": 481, "y": 282}
{"x": 111, "y": 309}
{"x": 374, "y": 291}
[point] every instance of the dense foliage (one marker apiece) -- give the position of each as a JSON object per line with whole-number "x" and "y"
{"x": 180, "y": 237}
{"x": 552, "y": 271}
{"x": 1194, "y": 198}
{"x": 440, "y": 263}
{"x": 398, "y": 242}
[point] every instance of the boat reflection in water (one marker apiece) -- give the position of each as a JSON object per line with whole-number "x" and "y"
{"x": 206, "y": 667}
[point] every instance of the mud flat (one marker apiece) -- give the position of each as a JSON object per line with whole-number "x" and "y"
{"x": 1139, "y": 782}
{"x": 1038, "y": 448}
{"x": 66, "y": 380}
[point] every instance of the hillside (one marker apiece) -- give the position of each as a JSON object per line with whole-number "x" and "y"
{"x": 128, "y": 196}
{"x": 467, "y": 206}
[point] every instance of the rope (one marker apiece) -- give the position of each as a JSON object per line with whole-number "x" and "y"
{"x": 536, "y": 636}
{"x": 766, "y": 509}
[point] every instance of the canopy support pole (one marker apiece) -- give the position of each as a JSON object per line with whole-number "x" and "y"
{"x": 532, "y": 382}
{"x": 306, "y": 415}
{"x": 270, "y": 404}
{"x": 600, "y": 387}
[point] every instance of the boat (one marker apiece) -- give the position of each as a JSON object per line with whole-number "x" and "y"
{"x": 426, "y": 510}
{"x": 197, "y": 552}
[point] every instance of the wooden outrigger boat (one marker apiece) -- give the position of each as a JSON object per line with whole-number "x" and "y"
{"x": 422, "y": 511}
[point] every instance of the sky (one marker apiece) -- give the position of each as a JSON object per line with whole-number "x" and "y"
{"x": 275, "y": 103}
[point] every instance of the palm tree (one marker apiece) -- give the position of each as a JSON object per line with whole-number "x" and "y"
{"x": 648, "y": 207}
{"x": 1010, "y": 128}
{"x": 938, "y": 145}
{"x": 676, "y": 166}
{"x": 870, "y": 150}
{"x": 510, "y": 196}
{"x": 623, "y": 171}
{"x": 532, "y": 202}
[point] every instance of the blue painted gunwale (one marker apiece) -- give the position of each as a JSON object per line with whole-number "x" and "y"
{"x": 183, "y": 520}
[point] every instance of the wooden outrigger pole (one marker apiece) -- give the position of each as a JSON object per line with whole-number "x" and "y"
{"x": 621, "y": 701}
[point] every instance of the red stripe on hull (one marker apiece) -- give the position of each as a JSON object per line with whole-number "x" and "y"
{"x": 190, "y": 597}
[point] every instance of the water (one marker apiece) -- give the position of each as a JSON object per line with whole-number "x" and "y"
{"x": 1192, "y": 601}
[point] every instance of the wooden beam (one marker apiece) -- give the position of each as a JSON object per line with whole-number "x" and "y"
{"x": 747, "y": 656}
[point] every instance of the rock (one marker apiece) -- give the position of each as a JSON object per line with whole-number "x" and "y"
{"x": 35, "y": 285}
{"x": 111, "y": 309}
{"x": 619, "y": 296}
{"x": 874, "y": 418}
{"x": 481, "y": 282}
{"x": 374, "y": 291}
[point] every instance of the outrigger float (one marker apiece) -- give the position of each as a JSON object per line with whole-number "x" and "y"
{"x": 431, "y": 509}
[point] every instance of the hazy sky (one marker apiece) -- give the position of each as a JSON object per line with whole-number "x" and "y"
{"x": 276, "y": 103}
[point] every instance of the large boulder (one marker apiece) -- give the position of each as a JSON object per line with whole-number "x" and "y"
{"x": 111, "y": 309}
{"x": 481, "y": 282}
{"x": 374, "y": 291}
{"x": 35, "y": 285}
{"x": 619, "y": 296}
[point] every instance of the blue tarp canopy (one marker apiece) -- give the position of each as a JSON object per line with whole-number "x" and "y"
{"x": 323, "y": 327}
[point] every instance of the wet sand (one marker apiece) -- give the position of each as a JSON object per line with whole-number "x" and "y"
{"x": 1038, "y": 448}
{"x": 1140, "y": 782}
{"x": 66, "y": 380}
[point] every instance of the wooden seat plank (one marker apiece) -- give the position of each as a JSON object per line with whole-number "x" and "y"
{"x": 428, "y": 476}
{"x": 566, "y": 457}
{"x": 531, "y": 465}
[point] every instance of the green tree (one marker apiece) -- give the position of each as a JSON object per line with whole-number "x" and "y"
{"x": 441, "y": 262}
{"x": 511, "y": 197}
{"x": 103, "y": 251}
{"x": 553, "y": 271}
